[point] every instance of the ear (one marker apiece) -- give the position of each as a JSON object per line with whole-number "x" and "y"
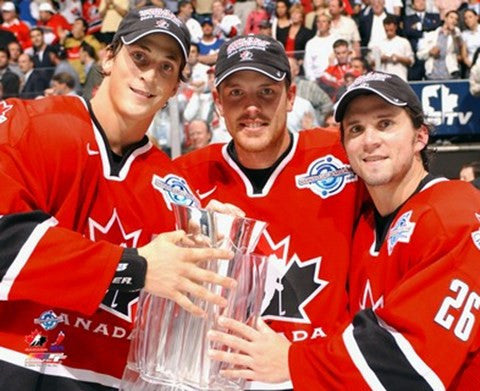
{"x": 421, "y": 139}
{"x": 218, "y": 103}
{"x": 291, "y": 92}
{"x": 107, "y": 63}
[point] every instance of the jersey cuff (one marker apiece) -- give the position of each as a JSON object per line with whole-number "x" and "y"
{"x": 130, "y": 273}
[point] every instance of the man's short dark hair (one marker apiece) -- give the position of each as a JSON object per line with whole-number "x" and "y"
{"x": 5, "y": 50}
{"x": 37, "y": 29}
{"x": 84, "y": 22}
{"x": 89, "y": 50}
{"x": 390, "y": 19}
{"x": 64, "y": 78}
{"x": 340, "y": 42}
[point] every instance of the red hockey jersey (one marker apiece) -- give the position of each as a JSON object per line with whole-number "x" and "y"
{"x": 309, "y": 205}
{"x": 416, "y": 301}
{"x": 66, "y": 211}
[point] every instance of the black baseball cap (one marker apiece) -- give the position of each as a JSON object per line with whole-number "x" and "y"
{"x": 389, "y": 87}
{"x": 259, "y": 53}
{"x": 141, "y": 22}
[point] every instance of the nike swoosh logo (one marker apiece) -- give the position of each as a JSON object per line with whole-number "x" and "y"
{"x": 202, "y": 196}
{"x": 91, "y": 152}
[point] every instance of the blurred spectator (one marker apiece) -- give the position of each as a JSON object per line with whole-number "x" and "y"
{"x": 320, "y": 7}
{"x": 10, "y": 81}
{"x": 415, "y": 26}
{"x": 359, "y": 66}
{"x": 254, "y": 18}
{"x": 393, "y": 54}
{"x": 297, "y": 35}
{"x": 70, "y": 9}
{"x": 185, "y": 12}
{"x": 361, "y": 8}
{"x": 73, "y": 41}
{"x": 14, "y": 50}
{"x": 470, "y": 38}
{"x": 319, "y": 49}
{"x": 52, "y": 23}
{"x": 371, "y": 26}
{"x": 62, "y": 84}
{"x": 198, "y": 79}
{"x": 40, "y": 52}
{"x": 199, "y": 134}
{"x": 265, "y": 27}
{"x": 111, "y": 12}
{"x": 209, "y": 44}
{"x": 242, "y": 9}
{"x": 91, "y": 14}
{"x": 311, "y": 91}
{"x": 34, "y": 82}
{"x": 281, "y": 20}
{"x": 343, "y": 26}
{"x": 302, "y": 116}
{"x": 470, "y": 171}
{"x": 92, "y": 71}
{"x": 330, "y": 122}
{"x": 11, "y": 23}
{"x": 58, "y": 56}
{"x": 226, "y": 25}
{"x": 333, "y": 77}
{"x": 440, "y": 49}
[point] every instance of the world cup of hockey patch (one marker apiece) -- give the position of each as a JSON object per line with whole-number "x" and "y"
{"x": 174, "y": 190}
{"x": 401, "y": 231}
{"x": 48, "y": 320}
{"x": 326, "y": 176}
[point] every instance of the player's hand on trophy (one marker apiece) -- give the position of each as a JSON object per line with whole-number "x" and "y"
{"x": 225, "y": 208}
{"x": 174, "y": 270}
{"x": 259, "y": 353}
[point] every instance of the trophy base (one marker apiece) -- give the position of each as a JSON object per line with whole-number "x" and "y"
{"x": 134, "y": 381}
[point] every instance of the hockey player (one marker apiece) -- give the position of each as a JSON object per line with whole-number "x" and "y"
{"x": 414, "y": 282}
{"x": 85, "y": 215}
{"x": 300, "y": 183}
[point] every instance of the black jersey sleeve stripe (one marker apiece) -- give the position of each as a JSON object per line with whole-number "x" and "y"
{"x": 385, "y": 358}
{"x": 19, "y": 235}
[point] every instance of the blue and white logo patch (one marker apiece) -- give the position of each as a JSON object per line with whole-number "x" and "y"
{"x": 401, "y": 231}
{"x": 48, "y": 320}
{"x": 326, "y": 176}
{"x": 174, "y": 190}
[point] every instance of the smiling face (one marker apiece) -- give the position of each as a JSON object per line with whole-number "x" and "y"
{"x": 255, "y": 110}
{"x": 143, "y": 76}
{"x": 381, "y": 143}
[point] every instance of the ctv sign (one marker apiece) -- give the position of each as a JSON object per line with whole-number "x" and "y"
{"x": 450, "y": 107}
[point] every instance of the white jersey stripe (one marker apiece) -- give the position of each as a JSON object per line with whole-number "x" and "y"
{"x": 359, "y": 361}
{"x": 413, "y": 358}
{"x": 23, "y": 255}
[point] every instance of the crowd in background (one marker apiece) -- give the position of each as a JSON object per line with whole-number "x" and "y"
{"x": 56, "y": 48}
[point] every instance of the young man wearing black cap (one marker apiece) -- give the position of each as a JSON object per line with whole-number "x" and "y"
{"x": 415, "y": 296}
{"x": 299, "y": 183}
{"x": 85, "y": 216}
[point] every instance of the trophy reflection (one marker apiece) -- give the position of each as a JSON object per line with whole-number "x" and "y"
{"x": 169, "y": 348}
